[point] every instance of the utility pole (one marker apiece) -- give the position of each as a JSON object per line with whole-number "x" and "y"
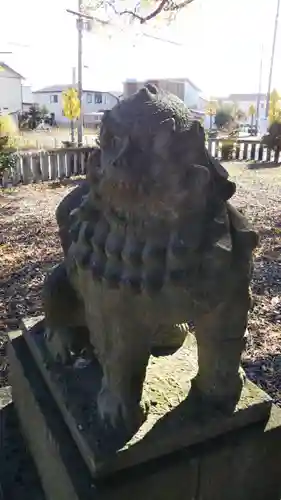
{"x": 72, "y": 121}
{"x": 259, "y": 89}
{"x": 80, "y": 17}
{"x": 272, "y": 59}
{"x": 83, "y": 21}
{"x": 79, "y": 22}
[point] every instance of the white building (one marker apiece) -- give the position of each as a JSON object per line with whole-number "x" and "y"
{"x": 10, "y": 90}
{"x": 93, "y": 101}
{"x": 27, "y": 97}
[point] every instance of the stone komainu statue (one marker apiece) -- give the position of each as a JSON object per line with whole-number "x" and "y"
{"x": 150, "y": 241}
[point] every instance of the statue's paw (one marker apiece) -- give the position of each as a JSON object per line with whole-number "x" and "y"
{"x": 110, "y": 407}
{"x": 57, "y": 345}
{"x": 114, "y": 412}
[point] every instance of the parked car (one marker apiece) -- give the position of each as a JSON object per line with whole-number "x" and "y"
{"x": 253, "y": 130}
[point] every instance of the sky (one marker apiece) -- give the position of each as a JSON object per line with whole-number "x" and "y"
{"x": 217, "y": 44}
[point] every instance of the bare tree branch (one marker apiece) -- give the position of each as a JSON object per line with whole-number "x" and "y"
{"x": 164, "y": 5}
{"x": 178, "y": 6}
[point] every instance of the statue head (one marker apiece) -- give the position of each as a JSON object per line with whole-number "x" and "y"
{"x": 153, "y": 157}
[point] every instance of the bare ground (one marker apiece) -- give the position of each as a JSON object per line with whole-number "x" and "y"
{"x": 44, "y": 139}
{"x": 29, "y": 246}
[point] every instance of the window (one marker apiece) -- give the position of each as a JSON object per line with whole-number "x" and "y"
{"x": 262, "y": 105}
{"x": 53, "y": 98}
{"x": 98, "y": 98}
{"x": 89, "y": 99}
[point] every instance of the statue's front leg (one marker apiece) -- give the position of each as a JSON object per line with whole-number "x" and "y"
{"x": 221, "y": 340}
{"x": 123, "y": 348}
{"x": 64, "y": 315}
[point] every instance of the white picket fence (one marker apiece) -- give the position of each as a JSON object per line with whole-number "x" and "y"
{"x": 242, "y": 150}
{"x": 42, "y": 166}
{"x": 36, "y": 166}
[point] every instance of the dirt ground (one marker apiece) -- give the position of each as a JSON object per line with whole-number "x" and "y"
{"x": 44, "y": 139}
{"x": 29, "y": 246}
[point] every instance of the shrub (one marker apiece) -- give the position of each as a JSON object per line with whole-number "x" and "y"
{"x": 223, "y": 118}
{"x": 272, "y": 139}
{"x": 7, "y": 158}
{"x": 227, "y": 149}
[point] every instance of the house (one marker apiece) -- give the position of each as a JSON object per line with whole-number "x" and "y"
{"x": 10, "y": 90}
{"x": 27, "y": 98}
{"x": 93, "y": 101}
{"x": 183, "y": 88}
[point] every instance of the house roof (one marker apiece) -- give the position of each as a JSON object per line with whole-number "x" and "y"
{"x": 176, "y": 80}
{"x": 245, "y": 97}
{"x": 57, "y": 88}
{"x": 5, "y": 66}
{"x": 53, "y": 88}
{"x": 183, "y": 80}
{"x": 115, "y": 93}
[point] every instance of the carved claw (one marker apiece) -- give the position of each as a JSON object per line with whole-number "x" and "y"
{"x": 110, "y": 407}
{"x": 58, "y": 345}
{"x": 113, "y": 411}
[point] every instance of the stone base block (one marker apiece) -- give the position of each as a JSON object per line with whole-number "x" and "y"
{"x": 235, "y": 462}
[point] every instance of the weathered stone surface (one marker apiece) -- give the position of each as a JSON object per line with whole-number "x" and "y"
{"x": 155, "y": 243}
{"x": 5, "y": 396}
{"x": 5, "y": 401}
{"x": 63, "y": 471}
{"x": 242, "y": 464}
{"x": 174, "y": 420}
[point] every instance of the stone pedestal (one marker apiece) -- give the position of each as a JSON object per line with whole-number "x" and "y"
{"x": 182, "y": 451}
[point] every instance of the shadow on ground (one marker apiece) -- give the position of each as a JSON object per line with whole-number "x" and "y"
{"x": 66, "y": 182}
{"x": 260, "y": 165}
{"x": 18, "y": 476}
